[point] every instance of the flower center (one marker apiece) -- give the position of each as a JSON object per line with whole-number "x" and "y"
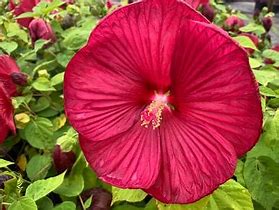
{"x": 152, "y": 114}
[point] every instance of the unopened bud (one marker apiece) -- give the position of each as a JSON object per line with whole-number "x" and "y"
{"x": 19, "y": 78}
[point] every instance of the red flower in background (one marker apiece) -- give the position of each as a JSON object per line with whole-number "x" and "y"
{"x": 22, "y": 7}
{"x": 7, "y": 67}
{"x": 6, "y": 114}
{"x": 40, "y": 29}
{"x": 267, "y": 23}
{"x": 208, "y": 11}
{"x": 233, "y": 23}
{"x": 160, "y": 104}
{"x": 109, "y": 4}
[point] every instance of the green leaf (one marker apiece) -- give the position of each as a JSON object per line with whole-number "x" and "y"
{"x": 57, "y": 79}
{"x": 26, "y": 15}
{"x": 8, "y": 47}
{"x": 68, "y": 140}
{"x": 40, "y": 105}
{"x": 39, "y": 44}
{"x": 261, "y": 175}
{"x": 45, "y": 8}
{"x": 271, "y": 135}
{"x": 39, "y": 133}
{"x": 14, "y": 30}
{"x": 88, "y": 202}
{"x": 239, "y": 172}
{"x": 126, "y": 206}
{"x": 265, "y": 91}
{"x": 254, "y": 63}
{"x": 273, "y": 102}
{"x": 46, "y": 66}
{"x": 230, "y": 195}
{"x": 73, "y": 184}
{"x": 266, "y": 76}
{"x": 38, "y": 166}
{"x": 71, "y": 41}
{"x": 130, "y": 195}
{"x": 90, "y": 178}
{"x": 23, "y": 203}
{"x": 271, "y": 54}
{"x": 64, "y": 58}
{"x": 10, "y": 188}
{"x": 44, "y": 203}
{"x": 198, "y": 205}
{"x": 66, "y": 205}
{"x": 41, "y": 188}
{"x": 5, "y": 163}
{"x": 253, "y": 28}
{"x": 245, "y": 42}
{"x": 20, "y": 100}
{"x": 42, "y": 84}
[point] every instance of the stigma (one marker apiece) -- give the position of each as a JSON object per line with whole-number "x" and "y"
{"x": 152, "y": 114}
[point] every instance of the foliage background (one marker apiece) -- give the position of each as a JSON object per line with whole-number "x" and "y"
{"x": 29, "y": 177}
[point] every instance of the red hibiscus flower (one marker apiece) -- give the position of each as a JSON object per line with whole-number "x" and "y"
{"x": 267, "y": 23}
{"x": 109, "y": 4}
{"x": 233, "y": 23}
{"x": 9, "y": 73}
{"x": 160, "y": 104}
{"x": 7, "y": 68}
{"x": 40, "y": 29}
{"x": 6, "y": 114}
{"x": 22, "y": 7}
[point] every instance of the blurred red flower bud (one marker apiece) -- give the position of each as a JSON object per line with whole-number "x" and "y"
{"x": 22, "y": 7}
{"x": 233, "y": 23}
{"x": 63, "y": 160}
{"x": 101, "y": 198}
{"x": 40, "y": 29}
{"x": 267, "y": 23}
{"x": 19, "y": 78}
{"x": 208, "y": 11}
{"x": 3, "y": 179}
{"x": 109, "y": 4}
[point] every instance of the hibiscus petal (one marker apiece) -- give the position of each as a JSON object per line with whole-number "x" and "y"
{"x": 8, "y": 66}
{"x": 195, "y": 161}
{"x": 130, "y": 160}
{"x": 99, "y": 104}
{"x": 221, "y": 91}
{"x": 4, "y": 130}
{"x": 126, "y": 53}
{"x": 142, "y": 36}
{"x": 6, "y": 114}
